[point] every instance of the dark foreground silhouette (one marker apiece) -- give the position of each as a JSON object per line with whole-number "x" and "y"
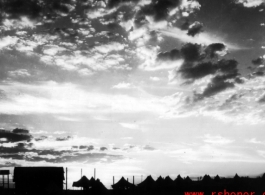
{"x": 51, "y": 181}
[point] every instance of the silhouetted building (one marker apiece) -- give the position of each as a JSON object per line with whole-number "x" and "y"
{"x": 38, "y": 180}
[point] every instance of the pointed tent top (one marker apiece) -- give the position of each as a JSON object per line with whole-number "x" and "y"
{"x": 122, "y": 184}
{"x": 206, "y": 178}
{"x": 148, "y": 182}
{"x": 159, "y": 178}
{"x": 236, "y": 176}
{"x": 178, "y": 179}
{"x": 83, "y": 182}
{"x": 187, "y": 179}
{"x": 217, "y": 178}
{"x": 149, "y": 177}
{"x": 168, "y": 180}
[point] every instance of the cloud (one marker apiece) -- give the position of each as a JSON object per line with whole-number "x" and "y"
{"x": 52, "y": 49}
{"x": 154, "y": 78}
{"x": 21, "y": 23}
{"x": 204, "y": 38}
{"x": 148, "y": 148}
{"x": 106, "y": 48}
{"x": 258, "y": 61}
{"x": 254, "y": 141}
{"x": 130, "y": 125}
{"x": 195, "y": 28}
{"x": 251, "y": 3}
{"x": 199, "y": 62}
{"x": 19, "y": 73}
{"x": 67, "y": 99}
{"x": 11, "y": 136}
{"x": 239, "y": 104}
{"x": 7, "y": 41}
{"x": 122, "y": 85}
{"x": 218, "y": 140}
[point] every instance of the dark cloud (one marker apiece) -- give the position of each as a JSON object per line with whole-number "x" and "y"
{"x": 212, "y": 49}
{"x": 63, "y": 138}
{"x": 258, "y": 73}
{"x": 198, "y": 71}
{"x": 195, "y": 29}
{"x": 201, "y": 61}
{"x": 103, "y": 148}
{"x": 170, "y": 55}
{"x": 82, "y": 147}
{"x": 37, "y": 9}
{"x": 228, "y": 66}
{"x": 147, "y": 147}
{"x": 11, "y": 136}
{"x": 191, "y": 52}
{"x": 262, "y": 99}
{"x": 90, "y": 148}
{"x": 23, "y": 152}
{"x": 185, "y": 25}
{"x": 41, "y": 138}
{"x": 258, "y": 61}
{"x": 217, "y": 85}
{"x": 18, "y": 8}
{"x": 158, "y": 9}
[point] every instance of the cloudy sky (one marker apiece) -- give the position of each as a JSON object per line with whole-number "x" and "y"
{"x": 134, "y": 87}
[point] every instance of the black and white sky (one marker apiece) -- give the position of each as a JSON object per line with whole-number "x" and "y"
{"x": 134, "y": 87}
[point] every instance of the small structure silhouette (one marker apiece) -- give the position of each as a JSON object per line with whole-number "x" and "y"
{"x": 122, "y": 184}
{"x": 148, "y": 183}
{"x": 38, "y": 180}
{"x": 83, "y": 182}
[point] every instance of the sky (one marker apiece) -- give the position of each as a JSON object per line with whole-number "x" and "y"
{"x": 133, "y": 87}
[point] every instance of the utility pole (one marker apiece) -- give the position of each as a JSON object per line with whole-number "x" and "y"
{"x": 66, "y": 180}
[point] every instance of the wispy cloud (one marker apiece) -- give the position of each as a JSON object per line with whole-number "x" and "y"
{"x": 130, "y": 125}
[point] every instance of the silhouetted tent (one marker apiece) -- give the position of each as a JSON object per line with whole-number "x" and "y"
{"x": 83, "y": 182}
{"x": 37, "y": 180}
{"x": 206, "y": 179}
{"x": 187, "y": 180}
{"x": 99, "y": 186}
{"x": 159, "y": 183}
{"x": 168, "y": 181}
{"x": 236, "y": 178}
{"x": 217, "y": 178}
{"x": 148, "y": 183}
{"x": 122, "y": 184}
{"x": 96, "y": 186}
{"x": 263, "y": 177}
{"x": 179, "y": 179}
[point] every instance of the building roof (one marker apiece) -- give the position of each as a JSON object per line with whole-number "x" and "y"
{"x": 39, "y": 173}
